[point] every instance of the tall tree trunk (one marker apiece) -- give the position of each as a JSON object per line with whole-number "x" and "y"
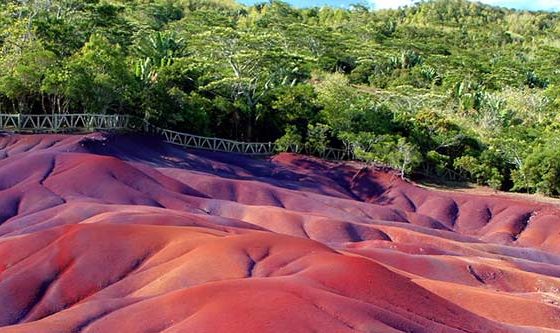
{"x": 250, "y": 129}
{"x": 43, "y": 107}
{"x": 235, "y": 124}
{"x": 251, "y": 105}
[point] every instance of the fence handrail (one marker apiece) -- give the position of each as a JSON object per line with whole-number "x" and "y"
{"x": 60, "y": 122}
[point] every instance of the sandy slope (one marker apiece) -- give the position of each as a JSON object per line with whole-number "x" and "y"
{"x": 104, "y": 233}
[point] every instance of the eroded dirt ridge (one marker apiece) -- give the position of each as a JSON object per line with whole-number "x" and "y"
{"x": 106, "y": 233}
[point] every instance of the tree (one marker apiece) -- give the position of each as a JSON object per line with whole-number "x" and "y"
{"x": 170, "y": 97}
{"x": 345, "y": 109}
{"x": 405, "y": 156}
{"x": 98, "y": 77}
{"x": 291, "y": 106}
{"x": 477, "y": 170}
{"x": 156, "y": 52}
{"x": 160, "y": 48}
{"x": 249, "y": 65}
{"x": 540, "y": 171}
{"x": 393, "y": 151}
{"x": 22, "y": 75}
{"x": 338, "y": 101}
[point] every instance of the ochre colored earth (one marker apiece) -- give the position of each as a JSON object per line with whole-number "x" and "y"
{"x": 123, "y": 233}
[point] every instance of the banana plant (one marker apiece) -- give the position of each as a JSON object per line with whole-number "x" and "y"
{"x": 156, "y": 51}
{"x": 160, "y": 47}
{"x": 145, "y": 71}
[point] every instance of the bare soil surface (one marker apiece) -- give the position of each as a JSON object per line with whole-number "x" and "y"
{"x": 123, "y": 233}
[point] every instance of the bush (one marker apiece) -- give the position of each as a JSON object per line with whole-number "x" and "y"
{"x": 541, "y": 170}
{"x": 291, "y": 141}
{"x": 532, "y": 80}
{"x": 438, "y": 161}
{"x": 317, "y": 138}
{"x": 391, "y": 150}
{"x": 480, "y": 172}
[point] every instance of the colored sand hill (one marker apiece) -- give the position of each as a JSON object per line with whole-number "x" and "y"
{"x": 121, "y": 233}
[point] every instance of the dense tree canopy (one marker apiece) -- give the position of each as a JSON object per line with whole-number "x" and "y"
{"x": 450, "y": 89}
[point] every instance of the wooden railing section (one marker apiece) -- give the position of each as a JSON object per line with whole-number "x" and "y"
{"x": 57, "y": 123}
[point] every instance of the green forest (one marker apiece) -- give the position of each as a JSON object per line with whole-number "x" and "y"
{"x": 446, "y": 89}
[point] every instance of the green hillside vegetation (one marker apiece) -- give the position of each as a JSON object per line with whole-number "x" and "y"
{"x": 448, "y": 89}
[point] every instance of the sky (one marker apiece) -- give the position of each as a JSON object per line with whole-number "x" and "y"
{"x": 550, "y": 5}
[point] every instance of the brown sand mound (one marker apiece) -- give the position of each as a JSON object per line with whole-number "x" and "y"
{"x": 104, "y": 233}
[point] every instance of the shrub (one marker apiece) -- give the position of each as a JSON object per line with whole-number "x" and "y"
{"x": 391, "y": 150}
{"x": 291, "y": 141}
{"x": 540, "y": 171}
{"x": 479, "y": 171}
{"x": 317, "y": 138}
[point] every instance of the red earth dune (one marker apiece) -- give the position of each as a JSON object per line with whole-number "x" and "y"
{"x": 123, "y": 233}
